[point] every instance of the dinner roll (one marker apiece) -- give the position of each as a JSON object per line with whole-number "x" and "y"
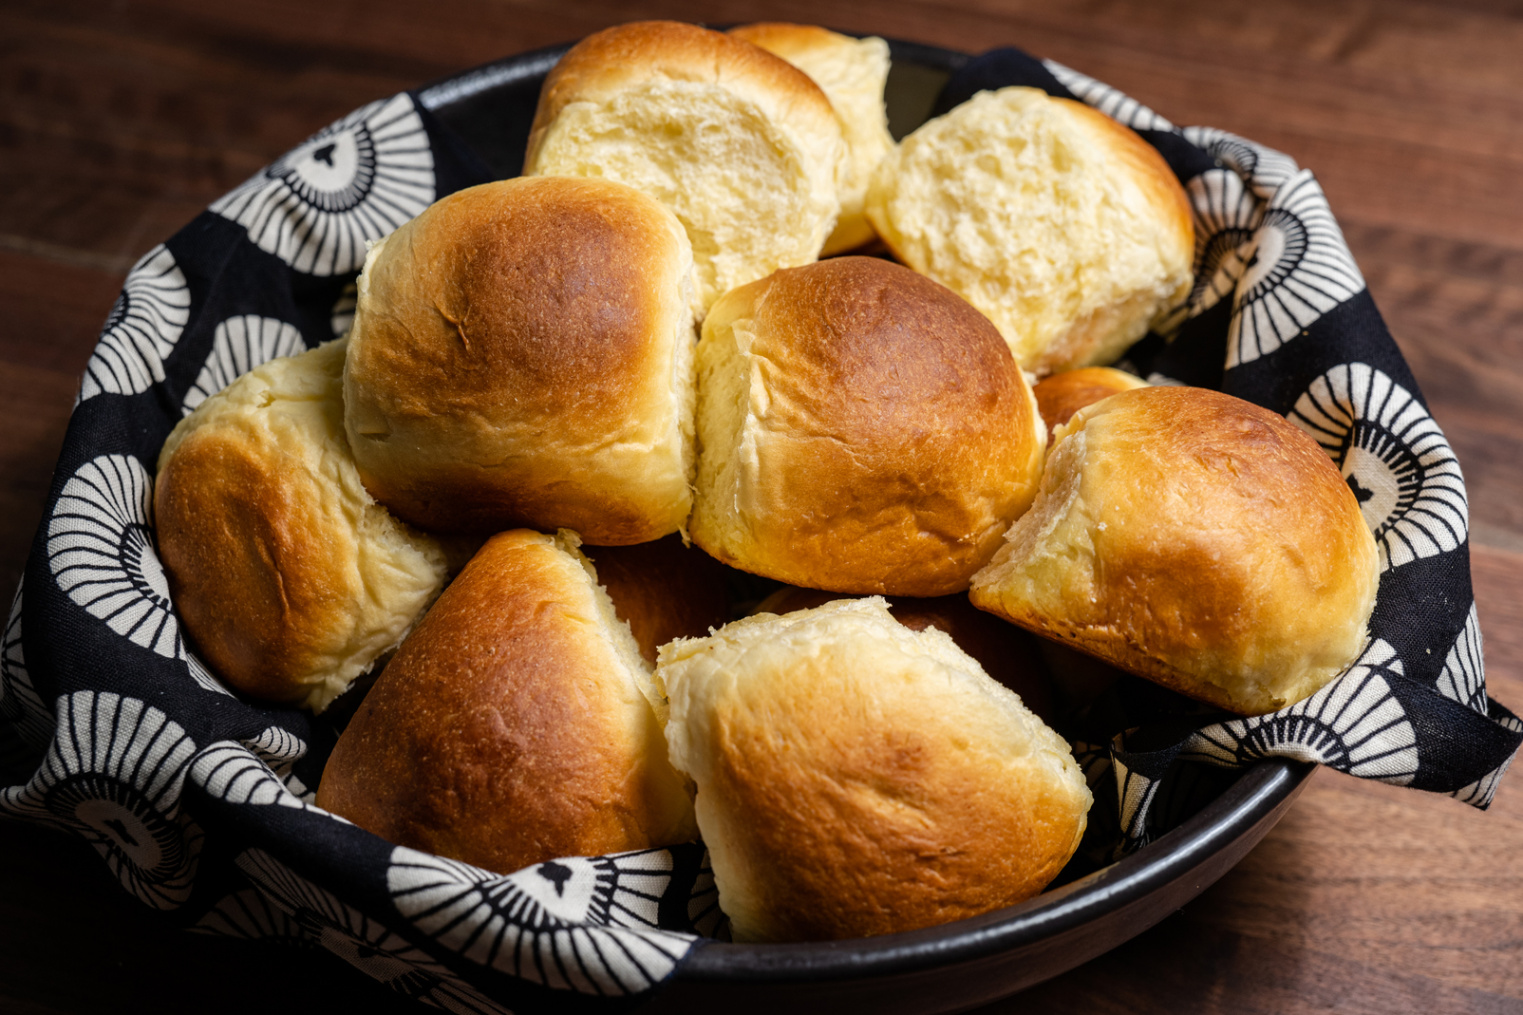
{"x": 515, "y": 725}
{"x": 663, "y": 590}
{"x": 290, "y": 580}
{"x": 522, "y": 354}
{"x": 855, "y": 777}
{"x": 1067, "y": 229}
{"x": 1059, "y": 396}
{"x": 742, "y": 145}
{"x": 1197, "y": 540}
{"x": 1007, "y": 653}
{"x": 852, "y": 73}
{"x": 862, "y": 429}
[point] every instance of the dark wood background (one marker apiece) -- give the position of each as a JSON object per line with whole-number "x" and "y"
{"x": 120, "y": 121}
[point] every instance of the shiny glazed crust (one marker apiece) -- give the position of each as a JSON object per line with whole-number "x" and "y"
{"x": 522, "y": 355}
{"x": 857, "y": 778}
{"x": 514, "y": 725}
{"x": 1197, "y": 540}
{"x": 862, "y": 429}
{"x": 289, "y": 578}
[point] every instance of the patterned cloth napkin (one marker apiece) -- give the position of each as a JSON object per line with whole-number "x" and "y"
{"x": 199, "y": 801}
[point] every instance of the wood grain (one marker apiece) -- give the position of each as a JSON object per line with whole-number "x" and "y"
{"x": 119, "y": 122}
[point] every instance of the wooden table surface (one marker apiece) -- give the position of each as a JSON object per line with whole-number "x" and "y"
{"x": 119, "y": 122}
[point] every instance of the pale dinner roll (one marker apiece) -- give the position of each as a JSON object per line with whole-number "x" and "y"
{"x": 1008, "y": 654}
{"x": 741, "y": 144}
{"x": 1197, "y": 540}
{"x": 862, "y": 429}
{"x": 852, "y": 73}
{"x": 855, "y": 777}
{"x": 1059, "y": 396}
{"x": 522, "y": 354}
{"x": 663, "y": 590}
{"x": 1067, "y": 229}
{"x": 516, "y": 724}
{"x": 290, "y": 580}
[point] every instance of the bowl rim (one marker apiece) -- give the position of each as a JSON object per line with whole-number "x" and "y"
{"x": 1241, "y": 814}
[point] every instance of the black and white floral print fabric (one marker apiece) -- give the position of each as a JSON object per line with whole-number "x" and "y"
{"x": 201, "y": 803}
{"x": 351, "y": 183}
{"x": 114, "y": 774}
{"x": 142, "y": 330}
{"x": 586, "y": 923}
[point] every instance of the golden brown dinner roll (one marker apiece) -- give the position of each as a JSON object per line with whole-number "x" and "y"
{"x": 862, "y": 429}
{"x": 1067, "y": 229}
{"x": 522, "y": 355}
{"x": 289, "y": 578}
{"x": 514, "y": 725}
{"x": 1006, "y": 653}
{"x": 1059, "y": 396}
{"x": 852, "y": 73}
{"x": 856, "y": 778}
{"x": 742, "y": 145}
{"x": 1197, "y": 540}
{"x": 663, "y": 590}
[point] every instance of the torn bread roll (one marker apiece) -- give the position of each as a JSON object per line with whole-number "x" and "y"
{"x": 862, "y": 429}
{"x": 740, "y": 144}
{"x": 1197, "y": 540}
{"x": 289, "y": 578}
{"x": 1063, "y": 226}
{"x": 853, "y": 74}
{"x": 517, "y": 724}
{"x": 522, "y": 354}
{"x": 663, "y": 590}
{"x": 855, "y": 777}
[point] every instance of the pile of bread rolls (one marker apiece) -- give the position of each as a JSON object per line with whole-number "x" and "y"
{"x": 572, "y": 404}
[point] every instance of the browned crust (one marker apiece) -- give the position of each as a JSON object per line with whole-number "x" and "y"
{"x": 1060, "y": 396}
{"x": 900, "y": 439}
{"x": 606, "y": 62}
{"x": 498, "y": 734}
{"x": 513, "y": 330}
{"x": 1235, "y": 536}
{"x": 851, "y": 813}
{"x": 835, "y": 869}
{"x": 256, "y": 569}
{"x": 663, "y": 590}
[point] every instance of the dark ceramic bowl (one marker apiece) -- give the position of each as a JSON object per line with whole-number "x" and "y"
{"x": 971, "y": 962}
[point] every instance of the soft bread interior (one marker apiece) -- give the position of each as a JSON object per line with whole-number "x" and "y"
{"x": 732, "y": 394}
{"x": 852, "y": 73}
{"x": 1063, "y": 227}
{"x": 751, "y": 197}
{"x": 615, "y": 632}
